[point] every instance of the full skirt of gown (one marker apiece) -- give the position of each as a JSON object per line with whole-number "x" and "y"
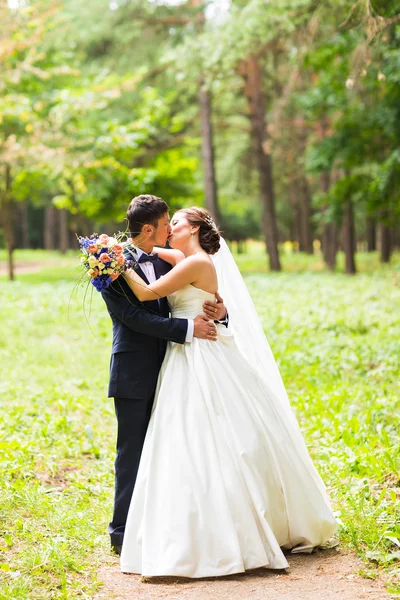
{"x": 225, "y": 480}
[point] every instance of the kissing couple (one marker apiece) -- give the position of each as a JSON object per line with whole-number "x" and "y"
{"x": 212, "y": 474}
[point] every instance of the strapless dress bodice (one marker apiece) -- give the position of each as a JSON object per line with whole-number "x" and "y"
{"x": 187, "y": 303}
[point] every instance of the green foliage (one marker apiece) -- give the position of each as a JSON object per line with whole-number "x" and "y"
{"x": 99, "y": 102}
{"x": 386, "y": 8}
{"x": 241, "y": 222}
{"x": 362, "y": 143}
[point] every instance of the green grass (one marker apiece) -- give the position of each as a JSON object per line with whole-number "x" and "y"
{"x": 337, "y": 340}
{"x": 255, "y": 260}
{"x": 31, "y": 256}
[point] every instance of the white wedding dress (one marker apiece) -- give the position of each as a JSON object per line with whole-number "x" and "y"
{"x": 225, "y": 480}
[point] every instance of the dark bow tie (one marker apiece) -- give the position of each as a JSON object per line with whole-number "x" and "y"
{"x": 148, "y": 258}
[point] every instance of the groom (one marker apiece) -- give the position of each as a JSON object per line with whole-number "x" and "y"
{"x": 140, "y": 335}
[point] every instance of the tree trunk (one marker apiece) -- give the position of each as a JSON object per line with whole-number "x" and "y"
{"x": 330, "y": 245}
{"x": 386, "y": 242}
{"x": 306, "y": 237}
{"x": 349, "y": 238}
{"x": 25, "y": 242}
{"x": 7, "y": 220}
{"x": 63, "y": 229}
{"x": 50, "y": 222}
{"x": 329, "y": 239}
{"x": 294, "y": 203}
{"x": 241, "y": 246}
{"x": 371, "y": 234}
{"x": 80, "y": 225}
{"x": 251, "y": 72}
{"x": 207, "y": 147}
{"x": 305, "y": 226}
{"x": 395, "y": 238}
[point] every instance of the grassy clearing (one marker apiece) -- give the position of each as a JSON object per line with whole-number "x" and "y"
{"x": 337, "y": 340}
{"x": 32, "y": 256}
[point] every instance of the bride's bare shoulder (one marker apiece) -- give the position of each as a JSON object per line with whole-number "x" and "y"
{"x": 196, "y": 263}
{"x": 199, "y": 258}
{"x": 200, "y": 263}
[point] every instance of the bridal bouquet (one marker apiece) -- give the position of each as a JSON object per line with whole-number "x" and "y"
{"x": 102, "y": 258}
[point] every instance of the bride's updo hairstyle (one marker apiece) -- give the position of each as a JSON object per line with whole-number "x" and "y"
{"x": 208, "y": 232}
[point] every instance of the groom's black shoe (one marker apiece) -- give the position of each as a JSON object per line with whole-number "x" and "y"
{"x": 116, "y": 539}
{"x": 116, "y": 549}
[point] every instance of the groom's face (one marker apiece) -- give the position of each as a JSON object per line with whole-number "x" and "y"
{"x": 162, "y": 231}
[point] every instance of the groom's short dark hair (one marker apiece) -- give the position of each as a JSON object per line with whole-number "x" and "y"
{"x": 145, "y": 210}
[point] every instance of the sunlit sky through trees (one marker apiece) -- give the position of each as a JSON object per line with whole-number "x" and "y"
{"x": 215, "y": 10}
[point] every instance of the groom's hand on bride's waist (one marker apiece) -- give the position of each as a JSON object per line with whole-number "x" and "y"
{"x": 204, "y": 328}
{"x": 215, "y": 310}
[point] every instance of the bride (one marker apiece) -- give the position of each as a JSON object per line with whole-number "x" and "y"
{"x": 225, "y": 480}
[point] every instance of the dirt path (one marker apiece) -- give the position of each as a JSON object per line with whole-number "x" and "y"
{"x": 24, "y": 267}
{"x": 326, "y": 575}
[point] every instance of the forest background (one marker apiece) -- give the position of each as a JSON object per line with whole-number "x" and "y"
{"x": 282, "y": 118}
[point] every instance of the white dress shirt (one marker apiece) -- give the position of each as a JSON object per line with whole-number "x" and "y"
{"x": 148, "y": 269}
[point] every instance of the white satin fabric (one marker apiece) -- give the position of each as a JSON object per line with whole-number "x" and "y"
{"x": 225, "y": 480}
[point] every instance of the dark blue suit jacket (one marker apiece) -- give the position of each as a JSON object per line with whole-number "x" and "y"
{"x": 140, "y": 334}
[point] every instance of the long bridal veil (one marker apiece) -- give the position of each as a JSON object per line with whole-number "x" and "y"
{"x": 252, "y": 343}
{"x": 245, "y": 322}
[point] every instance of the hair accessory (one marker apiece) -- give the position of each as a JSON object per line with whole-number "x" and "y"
{"x": 209, "y": 220}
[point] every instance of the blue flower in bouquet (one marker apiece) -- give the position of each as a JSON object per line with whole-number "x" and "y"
{"x": 86, "y": 242}
{"x": 101, "y": 282}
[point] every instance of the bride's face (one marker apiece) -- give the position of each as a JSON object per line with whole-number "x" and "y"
{"x": 181, "y": 231}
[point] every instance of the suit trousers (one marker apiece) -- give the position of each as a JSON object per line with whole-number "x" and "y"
{"x": 133, "y": 416}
